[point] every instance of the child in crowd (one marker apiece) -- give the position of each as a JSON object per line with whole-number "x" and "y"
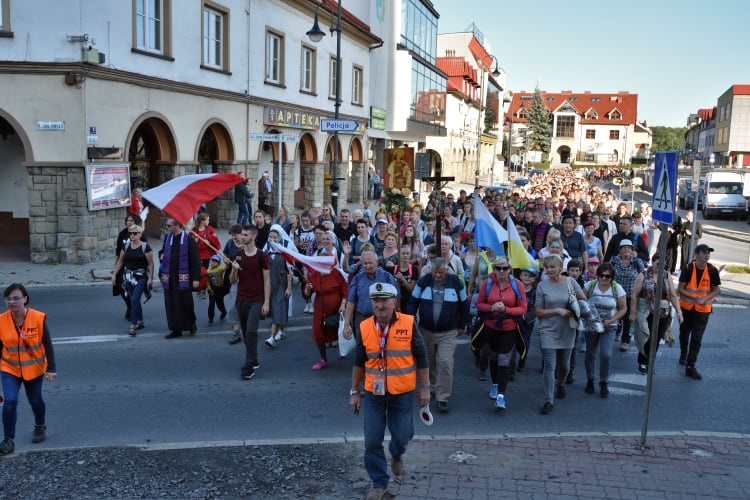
{"x": 216, "y": 288}
{"x": 575, "y": 271}
{"x": 528, "y": 276}
{"x": 591, "y": 270}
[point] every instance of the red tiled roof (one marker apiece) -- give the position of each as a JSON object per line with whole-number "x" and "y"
{"x": 707, "y": 114}
{"x": 741, "y": 89}
{"x": 460, "y": 73}
{"x": 604, "y": 104}
{"x": 332, "y": 6}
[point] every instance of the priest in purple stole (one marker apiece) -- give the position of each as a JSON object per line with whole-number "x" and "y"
{"x": 179, "y": 273}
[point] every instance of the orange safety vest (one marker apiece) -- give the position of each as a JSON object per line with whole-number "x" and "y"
{"x": 701, "y": 289}
{"x": 400, "y": 367}
{"x": 23, "y": 357}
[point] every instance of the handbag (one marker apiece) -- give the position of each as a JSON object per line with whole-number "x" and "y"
{"x": 346, "y": 345}
{"x": 573, "y": 305}
{"x": 331, "y": 322}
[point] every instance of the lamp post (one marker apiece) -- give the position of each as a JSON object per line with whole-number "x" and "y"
{"x": 316, "y": 35}
{"x": 495, "y": 73}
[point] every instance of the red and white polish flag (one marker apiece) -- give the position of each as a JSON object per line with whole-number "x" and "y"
{"x": 181, "y": 197}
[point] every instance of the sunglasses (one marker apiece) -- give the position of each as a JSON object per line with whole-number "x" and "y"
{"x": 133, "y": 233}
{"x": 605, "y": 276}
{"x": 502, "y": 269}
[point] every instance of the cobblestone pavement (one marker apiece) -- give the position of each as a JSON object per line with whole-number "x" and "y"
{"x": 678, "y": 466}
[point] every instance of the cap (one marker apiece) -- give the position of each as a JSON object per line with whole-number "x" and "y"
{"x": 626, "y": 243}
{"x": 703, "y": 248}
{"x": 382, "y": 218}
{"x": 593, "y": 260}
{"x": 216, "y": 257}
{"x": 383, "y": 291}
{"x": 529, "y": 270}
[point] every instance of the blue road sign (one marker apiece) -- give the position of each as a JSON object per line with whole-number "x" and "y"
{"x": 340, "y": 125}
{"x": 665, "y": 186}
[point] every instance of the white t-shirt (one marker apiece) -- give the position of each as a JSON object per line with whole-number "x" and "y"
{"x": 604, "y": 302}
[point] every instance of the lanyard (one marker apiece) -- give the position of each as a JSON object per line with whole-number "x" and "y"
{"x": 383, "y": 336}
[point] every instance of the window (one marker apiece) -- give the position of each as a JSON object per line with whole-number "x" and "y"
{"x": 427, "y": 94}
{"x": 419, "y": 28}
{"x": 307, "y": 70}
{"x": 5, "y": 18}
{"x": 357, "y": 81}
{"x": 215, "y": 37}
{"x": 614, "y": 135}
{"x": 592, "y": 115}
{"x": 274, "y": 58}
{"x": 615, "y": 115}
{"x": 594, "y": 99}
{"x": 590, "y": 133}
{"x": 153, "y": 26}
{"x": 565, "y": 126}
{"x": 332, "y": 75}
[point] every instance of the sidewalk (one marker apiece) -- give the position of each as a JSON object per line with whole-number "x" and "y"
{"x": 680, "y": 465}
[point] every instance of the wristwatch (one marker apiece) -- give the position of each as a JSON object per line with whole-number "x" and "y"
{"x": 352, "y": 392}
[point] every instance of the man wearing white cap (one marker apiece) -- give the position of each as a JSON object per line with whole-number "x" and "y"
{"x": 627, "y": 268}
{"x": 389, "y": 356}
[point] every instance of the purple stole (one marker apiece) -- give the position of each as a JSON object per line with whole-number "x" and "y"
{"x": 183, "y": 275}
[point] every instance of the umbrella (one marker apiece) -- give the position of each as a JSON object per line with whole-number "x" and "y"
{"x": 181, "y": 197}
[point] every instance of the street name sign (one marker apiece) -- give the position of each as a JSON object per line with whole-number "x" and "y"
{"x": 340, "y": 125}
{"x": 665, "y": 186}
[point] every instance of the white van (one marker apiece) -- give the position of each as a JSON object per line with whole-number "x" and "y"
{"x": 724, "y": 195}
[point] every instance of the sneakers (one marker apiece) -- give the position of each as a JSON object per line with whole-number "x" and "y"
{"x": 397, "y": 465}
{"x": 247, "y": 371}
{"x": 642, "y": 369}
{"x": 624, "y": 346}
{"x": 582, "y": 348}
{"x": 603, "y": 390}
{"x": 376, "y": 493}
{"x": 589, "y": 389}
{"x": 7, "y": 446}
{"x": 618, "y": 337}
{"x": 307, "y": 308}
{"x": 236, "y": 338}
{"x": 546, "y": 409}
{"x": 500, "y": 402}
{"x": 443, "y": 406}
{"x": 280, "y": 335}
{"x": 270, "y": 342}
{"x": 482, "y": 375}
{"x": 493, "y": 391}
{"x": 39, "y": 434}
{"x": 320, "y": 365}
{"x": 691, "y": 372}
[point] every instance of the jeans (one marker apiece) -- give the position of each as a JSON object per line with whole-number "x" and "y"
{"x": 135, "y": 292}
{"x": 601, "y": 344}
{"x": 691, "y": 334}
{"x": 441, "y": 349}
{"x": 11, "y": 386}
{"x": 243, "y": 214}
{"x": 249, "y": 313}
{"x": 554, "y": 360}
{"x": 396, "y": 411}
{"x": 625, "y": 322}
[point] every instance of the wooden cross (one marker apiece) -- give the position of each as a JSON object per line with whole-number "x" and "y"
{"x": 438, "y": 182}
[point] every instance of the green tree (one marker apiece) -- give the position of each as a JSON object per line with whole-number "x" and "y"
{"x": 540, "y": 128}
{"x": 667, "y": 138}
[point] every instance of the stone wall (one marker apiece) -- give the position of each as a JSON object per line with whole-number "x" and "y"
{"x": 356, "y": 194}
{"x": 314, "y": 187}
{"x": 61, "y": 227}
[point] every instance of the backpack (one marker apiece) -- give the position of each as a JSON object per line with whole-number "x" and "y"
{"x": 593, "y": 283}
{"x": 513, "y": 285}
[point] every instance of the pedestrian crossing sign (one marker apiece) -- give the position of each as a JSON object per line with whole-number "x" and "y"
{"x": 665, "y": 186}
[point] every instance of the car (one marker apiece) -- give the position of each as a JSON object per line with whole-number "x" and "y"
{"x": 690, "y": 196}
{"x": 520, "y": 181}
{"x": 499, "y": 188}
{"x": 535, "y": 171}
{"x": 724, "y": 195}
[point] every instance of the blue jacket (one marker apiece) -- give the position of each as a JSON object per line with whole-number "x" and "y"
{"x": 455, "y": 311}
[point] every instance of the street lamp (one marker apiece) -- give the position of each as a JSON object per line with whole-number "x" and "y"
{"x": 316, "y": 35}
{"x": 495, "y": 73}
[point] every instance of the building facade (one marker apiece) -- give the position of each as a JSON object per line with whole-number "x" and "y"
{"x": 587, "y": 128}
{"x": 732, "y": 142}
{"x": 168, "y": 89}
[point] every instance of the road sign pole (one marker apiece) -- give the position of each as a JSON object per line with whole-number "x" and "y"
{"x": 654, "y": 334}
{"x": 280, "y": 187}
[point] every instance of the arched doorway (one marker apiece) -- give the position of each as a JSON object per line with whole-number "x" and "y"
{"x": 564, "y": 153}
{"x": 307, "y": 157}
{"x": 15, "y": 149}
{"x": 436, "y": 164}
{"x": 356, "y": 169}
{"x": 269, "y": 160}
{"x": 214, "y": 149}
{"x": 151, "y": 145}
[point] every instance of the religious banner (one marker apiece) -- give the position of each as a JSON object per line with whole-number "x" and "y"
{"x": 399, "y": 170}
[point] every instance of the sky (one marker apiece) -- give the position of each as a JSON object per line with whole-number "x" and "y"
{"x": 677, "y": 55}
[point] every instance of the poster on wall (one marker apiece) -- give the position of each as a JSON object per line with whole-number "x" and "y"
{"x": 108, "y": 186}
{"x": 399, "y": 170}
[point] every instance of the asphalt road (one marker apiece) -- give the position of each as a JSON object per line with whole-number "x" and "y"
{"x": 117, "y": 390}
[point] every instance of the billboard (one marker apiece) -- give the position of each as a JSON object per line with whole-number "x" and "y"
{"x": 399, "y": 170}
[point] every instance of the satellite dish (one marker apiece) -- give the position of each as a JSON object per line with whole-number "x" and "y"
{"x": 617, "y": 181}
